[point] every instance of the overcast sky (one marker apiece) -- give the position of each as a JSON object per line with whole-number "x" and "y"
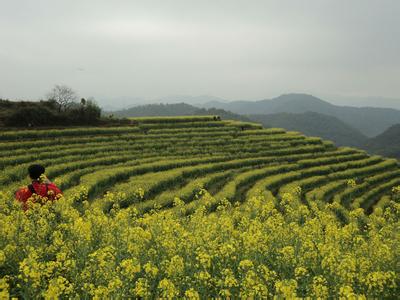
{"x": 230, "y": 49}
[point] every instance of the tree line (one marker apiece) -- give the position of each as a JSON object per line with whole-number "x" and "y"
{"x": 62, "y": 107}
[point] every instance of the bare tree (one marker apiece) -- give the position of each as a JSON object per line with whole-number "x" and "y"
{"x": 63, "y": 95}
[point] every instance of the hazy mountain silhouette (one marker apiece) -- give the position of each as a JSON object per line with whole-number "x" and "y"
{"x": 314, "y": 124}
{"x": 368, "y": 120}
{"x": 387, "y": 143}
{"x": 177, "y": 109}
{"x": 310, "y": 123}
{"x": 373, "y": 101}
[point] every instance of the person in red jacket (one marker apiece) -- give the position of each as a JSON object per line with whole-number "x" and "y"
{"x": 40, "y": 186}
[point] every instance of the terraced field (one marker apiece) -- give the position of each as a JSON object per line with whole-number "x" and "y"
{"x": 177, "y": 157}
{"x": 198, "y": 208}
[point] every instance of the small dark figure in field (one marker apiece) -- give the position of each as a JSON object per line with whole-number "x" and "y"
{"x": 40, "y": 186}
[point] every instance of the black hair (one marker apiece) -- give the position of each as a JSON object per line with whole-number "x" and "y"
{"x": 35, "y": 171}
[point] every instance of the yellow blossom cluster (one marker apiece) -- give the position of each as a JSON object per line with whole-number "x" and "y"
{"x": 351, "y": 183}
{"x": 259, "y": 249}
{"x": 396, "y": 193}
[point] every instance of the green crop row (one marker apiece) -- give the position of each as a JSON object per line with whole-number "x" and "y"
{"x": 157, "y": 182}
{"x": 307, "y": 183}
{"x": 361, "y": 188}
{"x": 368, "y": 200}
{"x": 168, "y": 157}
{"x": 154, "y": 182}
{"x": 175, "y": 119}
{"x": 181, "y": 125}
{"x": 243, "y": 125}
{"x": 323, "y": 167}
{"x": 99, "y": 181}
{"x": 274, "y": 182}
{"x": 49, "y": 133}
{"x": 346, "y": 197}
{"x": 231, "y": 165}
{"x": 136, "y": 136}
{"x": 327, "y": 191}
{"x": 150, "y": 143}
{"x": 61, "y": 152}
{"x": 234, "y": 190}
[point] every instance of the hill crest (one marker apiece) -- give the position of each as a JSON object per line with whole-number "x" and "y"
{"x": 368, "y": 120}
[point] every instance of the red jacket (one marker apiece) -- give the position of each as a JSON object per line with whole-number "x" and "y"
{"x": 48, "y": 190}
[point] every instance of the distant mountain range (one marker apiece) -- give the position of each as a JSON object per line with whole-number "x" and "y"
{"x": 386, "y": 144}
{"x": 370, "y": 121}
{"x": 175, "y": 109}
{"x": 373, "y": 129}
{"x": 314, "y": 124}
{"x": 118, "y": 103}
{"x": 178, "y": 109}
{"x": 363, "y": 101}
{"x": 331, "y": 128}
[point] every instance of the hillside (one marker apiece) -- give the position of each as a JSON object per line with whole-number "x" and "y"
{"x": 197, "y": 207}
{"x": 175, "y": 109}
{"x": 23, "y": 113}
{"x": 314, "y": 124}
{"x": 365, "y": 101}
{"x": 48, "y": 114}
{"x": 387, "y": 143}
{"x": 368, "y": 120}
{"x": 225, "y": 115}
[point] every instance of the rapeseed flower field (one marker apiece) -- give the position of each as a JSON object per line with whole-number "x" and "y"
{"x": 197, "y": 208}
{"x": 256, "y": 249}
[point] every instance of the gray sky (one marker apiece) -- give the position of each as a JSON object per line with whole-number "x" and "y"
{"x": 230, "y": 49}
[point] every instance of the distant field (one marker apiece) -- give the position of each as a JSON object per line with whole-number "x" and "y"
{"x": 198, "y": 207}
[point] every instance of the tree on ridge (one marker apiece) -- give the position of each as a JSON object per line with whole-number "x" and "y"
{"x": 63, "y": 95}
